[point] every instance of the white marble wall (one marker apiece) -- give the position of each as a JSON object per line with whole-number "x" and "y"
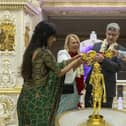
{"x": 10, "y": 61}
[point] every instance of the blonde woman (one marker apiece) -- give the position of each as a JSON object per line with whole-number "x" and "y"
{"x": 73, "y": 88}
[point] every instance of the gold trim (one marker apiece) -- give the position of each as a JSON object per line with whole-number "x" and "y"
{"x": 84, "y": 4}
{"x": 57, "y": 121}
{"x": 10, "y": 90}
{"x": 11, "y": 6}
{"x": 14, "y": 1}
{"x": 15, "y": 6}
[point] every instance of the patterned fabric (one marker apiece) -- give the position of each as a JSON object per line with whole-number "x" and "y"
{"x": 40, "y": 96}
{"x": 68, "y": 101}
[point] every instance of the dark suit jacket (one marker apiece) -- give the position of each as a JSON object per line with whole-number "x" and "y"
{"x": 109, "y": 69}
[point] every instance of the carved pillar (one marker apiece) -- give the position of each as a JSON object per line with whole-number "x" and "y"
{"x": 17, "y": 20}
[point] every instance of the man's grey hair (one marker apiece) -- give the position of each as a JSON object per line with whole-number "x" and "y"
{"x": 113, "y": 26}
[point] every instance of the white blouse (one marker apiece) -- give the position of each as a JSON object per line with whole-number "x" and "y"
{"x": 70, "y": 75}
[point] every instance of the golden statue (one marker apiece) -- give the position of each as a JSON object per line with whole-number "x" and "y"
{"x": 98, "y": 88}
{"x": 27, "y": 36}
{"x": 7, "y": 35}
{"x": 99, "y": 94}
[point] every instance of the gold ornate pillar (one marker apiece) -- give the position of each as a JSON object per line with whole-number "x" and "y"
{"x": 17, "y": 19}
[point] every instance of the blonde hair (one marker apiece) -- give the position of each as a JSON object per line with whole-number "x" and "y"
{"x": 67, "y": 40}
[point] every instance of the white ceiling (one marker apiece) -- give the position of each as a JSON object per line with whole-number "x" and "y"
{"x": 84, "y": 8}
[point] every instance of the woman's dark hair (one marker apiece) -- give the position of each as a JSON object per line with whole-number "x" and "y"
{"x": 42, "y": 32}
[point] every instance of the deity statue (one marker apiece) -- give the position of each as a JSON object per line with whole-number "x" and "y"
{"x": 7, "y": 35}
{"x": 98, "y": 88}
{"x": 27, "y": 36}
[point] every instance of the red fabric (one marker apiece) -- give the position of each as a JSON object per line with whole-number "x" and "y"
{"x": 79, "y": 80}
{"x": 80, "y": 84}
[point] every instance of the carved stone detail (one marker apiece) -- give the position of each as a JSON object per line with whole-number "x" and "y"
{"x": 7, "y": 75}
{"x": 7, "y": 106}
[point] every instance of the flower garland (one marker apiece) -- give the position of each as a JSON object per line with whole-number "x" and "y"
{"x": 79, "y": 71}
{"x": 105, "y": 44}
{"x": 79, "y": 83}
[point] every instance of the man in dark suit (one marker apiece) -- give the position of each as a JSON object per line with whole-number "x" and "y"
{"x": 109, "y": 65}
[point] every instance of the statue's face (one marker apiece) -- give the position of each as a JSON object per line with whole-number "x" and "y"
{"x": 96, "y": 66}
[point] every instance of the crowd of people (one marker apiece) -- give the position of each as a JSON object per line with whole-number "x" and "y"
{"x": 54, "y": 86}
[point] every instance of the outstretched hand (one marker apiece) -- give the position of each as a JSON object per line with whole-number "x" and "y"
{"x": 80, "y": 57}
{"x": 99, "y": 57}
{"x": 75, "y": 57}
{"x": 115, "y": 52}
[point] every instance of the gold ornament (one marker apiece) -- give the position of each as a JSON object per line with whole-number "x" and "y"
{"x": 89, "y": 57}
{"x": 98, "y": 93}
{"x": 7, "y": 34}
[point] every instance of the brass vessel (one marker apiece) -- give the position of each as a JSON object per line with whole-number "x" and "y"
{"x": 96, "y": 120}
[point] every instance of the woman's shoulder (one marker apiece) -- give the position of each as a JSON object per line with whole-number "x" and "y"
{"x": 36, "y": 53}
{"x": 47, "y": 54}
{"x": 40, "y": 52}
{"x": 63, "y": 55}
{"x": 45, "y": 51}
{"x": 63, "y": 51}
